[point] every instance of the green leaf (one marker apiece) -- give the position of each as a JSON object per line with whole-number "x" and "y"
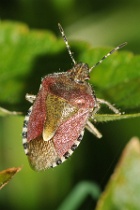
{"x": 20, "y": 48}
{"x": 27, "y": 55}
{"x": 123, "y": 189}
{"x": 118, "y": 80}
{"x": 6, "y": 175}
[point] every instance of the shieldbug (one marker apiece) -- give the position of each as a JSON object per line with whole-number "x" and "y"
{"x": 55, "y": 124}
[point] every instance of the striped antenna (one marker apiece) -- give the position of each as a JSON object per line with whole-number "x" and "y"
{"x": 107, "y": 55}
{"x": 66, "y": 42}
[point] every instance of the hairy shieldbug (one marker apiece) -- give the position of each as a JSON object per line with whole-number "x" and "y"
{"x": 54, "y": 125}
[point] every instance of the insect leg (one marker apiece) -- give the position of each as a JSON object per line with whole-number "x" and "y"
{"x": 91, "y": 128}
{"x": 110, "y": 106}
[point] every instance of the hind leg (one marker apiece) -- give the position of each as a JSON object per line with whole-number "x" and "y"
{"x": 92, "y": 129}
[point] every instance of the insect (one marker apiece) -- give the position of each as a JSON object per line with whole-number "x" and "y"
{"x": 55, "y": 123}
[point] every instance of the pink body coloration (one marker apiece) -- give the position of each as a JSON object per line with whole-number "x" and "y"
{"x": 69, "y": 131}
{"x": 38, "y": 116}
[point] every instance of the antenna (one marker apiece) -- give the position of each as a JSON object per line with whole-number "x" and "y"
{"x": 108, "y": 54}
{"x": 66, "y": 42}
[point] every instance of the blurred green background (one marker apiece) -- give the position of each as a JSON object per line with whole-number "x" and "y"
{"x": 101, "y": 23}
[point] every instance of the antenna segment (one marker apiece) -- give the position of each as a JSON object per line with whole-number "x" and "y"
{"x": 66, "y": 42}
{"x": 108, "y": 54}
{"x": 99, "y": 62}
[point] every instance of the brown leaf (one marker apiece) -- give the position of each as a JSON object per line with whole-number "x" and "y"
{"x": 6, "y": 175}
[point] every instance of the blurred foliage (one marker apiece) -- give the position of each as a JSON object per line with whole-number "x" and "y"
{"x": 28, "y": 53}
{"x": 123, "y": 189}
{"x": 79, "y": 194}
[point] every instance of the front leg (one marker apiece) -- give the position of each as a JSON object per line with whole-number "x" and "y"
{"x": 89, "y": 126}
{"x": 102, "y": 101}
{"x": 110, "y": 106}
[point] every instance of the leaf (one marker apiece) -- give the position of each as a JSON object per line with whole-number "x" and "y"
{"x": 19, "y": 49}
{"x": 118, "y": 80}
{"x": 27, "y": 55}
{"x": 6, "y": 176}
{"x": 123, "y": 189}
